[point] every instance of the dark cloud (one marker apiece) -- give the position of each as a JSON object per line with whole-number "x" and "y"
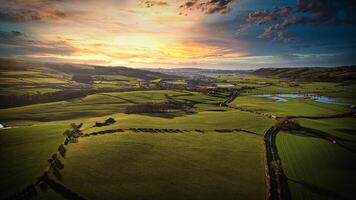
{"x": 24, "y": 11}
{"x": 9, "y": 35}
{"x": 15, "y": 43}
{"x": 306, "y": 12}
{"x": 327, "y": 11}
{"x": 209, "y": 6}
{"x": 284, "y": 36}
{"x": 149, "y": 3}
{"x": 29, "y": 15}
{"x": 265, "y": 16}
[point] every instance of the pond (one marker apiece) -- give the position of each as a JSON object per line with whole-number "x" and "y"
{"x": 284, "y": 97}
{"x": 275, "y": 98}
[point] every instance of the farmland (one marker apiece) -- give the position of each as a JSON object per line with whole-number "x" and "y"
{"x": 170, "y": 136}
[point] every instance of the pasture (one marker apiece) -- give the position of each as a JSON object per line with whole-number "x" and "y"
{"x": 293, "y": 107}
{"x": 194, "y": 149}
{"x": 316, "y": 168}
{"x": 172, "y": 165}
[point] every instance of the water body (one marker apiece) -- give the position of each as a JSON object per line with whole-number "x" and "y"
{"x": 2, "y": 126}
{"x": 284, "y": 97}
{"x": 275, "y": 98}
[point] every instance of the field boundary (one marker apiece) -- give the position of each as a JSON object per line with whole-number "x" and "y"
{"x": 44, "y": 181}
{"x": 156, "y": 130}
{"x": 55, "y": 165}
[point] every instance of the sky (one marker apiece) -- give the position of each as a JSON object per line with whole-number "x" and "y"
{"x": 219, "y": 34}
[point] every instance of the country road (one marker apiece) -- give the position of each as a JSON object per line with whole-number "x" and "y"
{"x": 276, "y": 180}
{"x": 231, "y": 98}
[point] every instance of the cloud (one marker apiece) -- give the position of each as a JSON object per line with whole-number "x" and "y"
{"x": 208, "y": 6}
{"x": 265, "y": 16}
{"x": 149, "y": 3}
{"x": 22, "y": 11}
{"x": 29, "y": 15}
{"x": 9, "y": 35}
{"x": 306, "y": 12}
{"x": 15, "y": 43}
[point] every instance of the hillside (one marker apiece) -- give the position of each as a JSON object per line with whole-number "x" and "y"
{"x": 335, "y": 74}
{"x": 73, "y": 69}
{"x": 27, "y": 82}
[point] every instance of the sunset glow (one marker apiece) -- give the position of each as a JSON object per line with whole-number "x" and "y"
{"x": 140, "y": 33}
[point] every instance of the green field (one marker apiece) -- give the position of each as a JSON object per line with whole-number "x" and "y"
{"x": 293, "y": 107}
{"x": 160, "y": 166}
{"x": 24, "y": 154}
{"x": 195, "y": 149}
{"x": 317, "y": 168}
{"x": 104, "y": 104}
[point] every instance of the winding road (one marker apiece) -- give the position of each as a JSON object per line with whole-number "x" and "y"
{"x": 277, "y": 181}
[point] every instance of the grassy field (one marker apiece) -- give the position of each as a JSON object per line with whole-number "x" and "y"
{"x": 103, "y": 104}
{"x": 167, "y": 166}
{"x": 199, "y": 162}
{"x": 27, "y": 91}
{"x": 340, "y": 127}
{"x": 115, "y": 81}
{"x": 317, "y": 168}
{"x": 203, "y": 120}
{"x": 266, "y": 85}
{"x": 32, "y": 145}
{"x": 24, "y": 154}
{"x": 294, "y": 107}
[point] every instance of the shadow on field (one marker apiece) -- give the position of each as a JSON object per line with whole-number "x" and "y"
{"x": 121, "y": 98}
{"x": 346, "y": 144}
{"x": 318, "y": 190}
{"x": 168, "y": 115}
{"x": 346, "y": 131}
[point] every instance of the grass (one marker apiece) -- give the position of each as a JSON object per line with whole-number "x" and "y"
{"x": 116, "y": 78}
{"x": 115, "y": 81}
{"x": 244, "y": 78}
{"x": 179, "y": 82}
{"x": 32, "y": 145}
{"x": 282, "y": 87}
{"x": 345, "y": 93}
{"x": 27, "y": 91}
{"x": 97, "y": 105}
{"x": 167, "y": 166}
{"x": 267, "y": 85}
{"x": 341, "y": 127}
{"x": 17, "y": 73}
{"x": 187, "y": 165}
{"x": 31, "y": 81}
{"x": 316, "y": 169}
{"x": 24, "y": 154}
{"x": 203, "y": 120}
{"x": 295, "y": 107}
